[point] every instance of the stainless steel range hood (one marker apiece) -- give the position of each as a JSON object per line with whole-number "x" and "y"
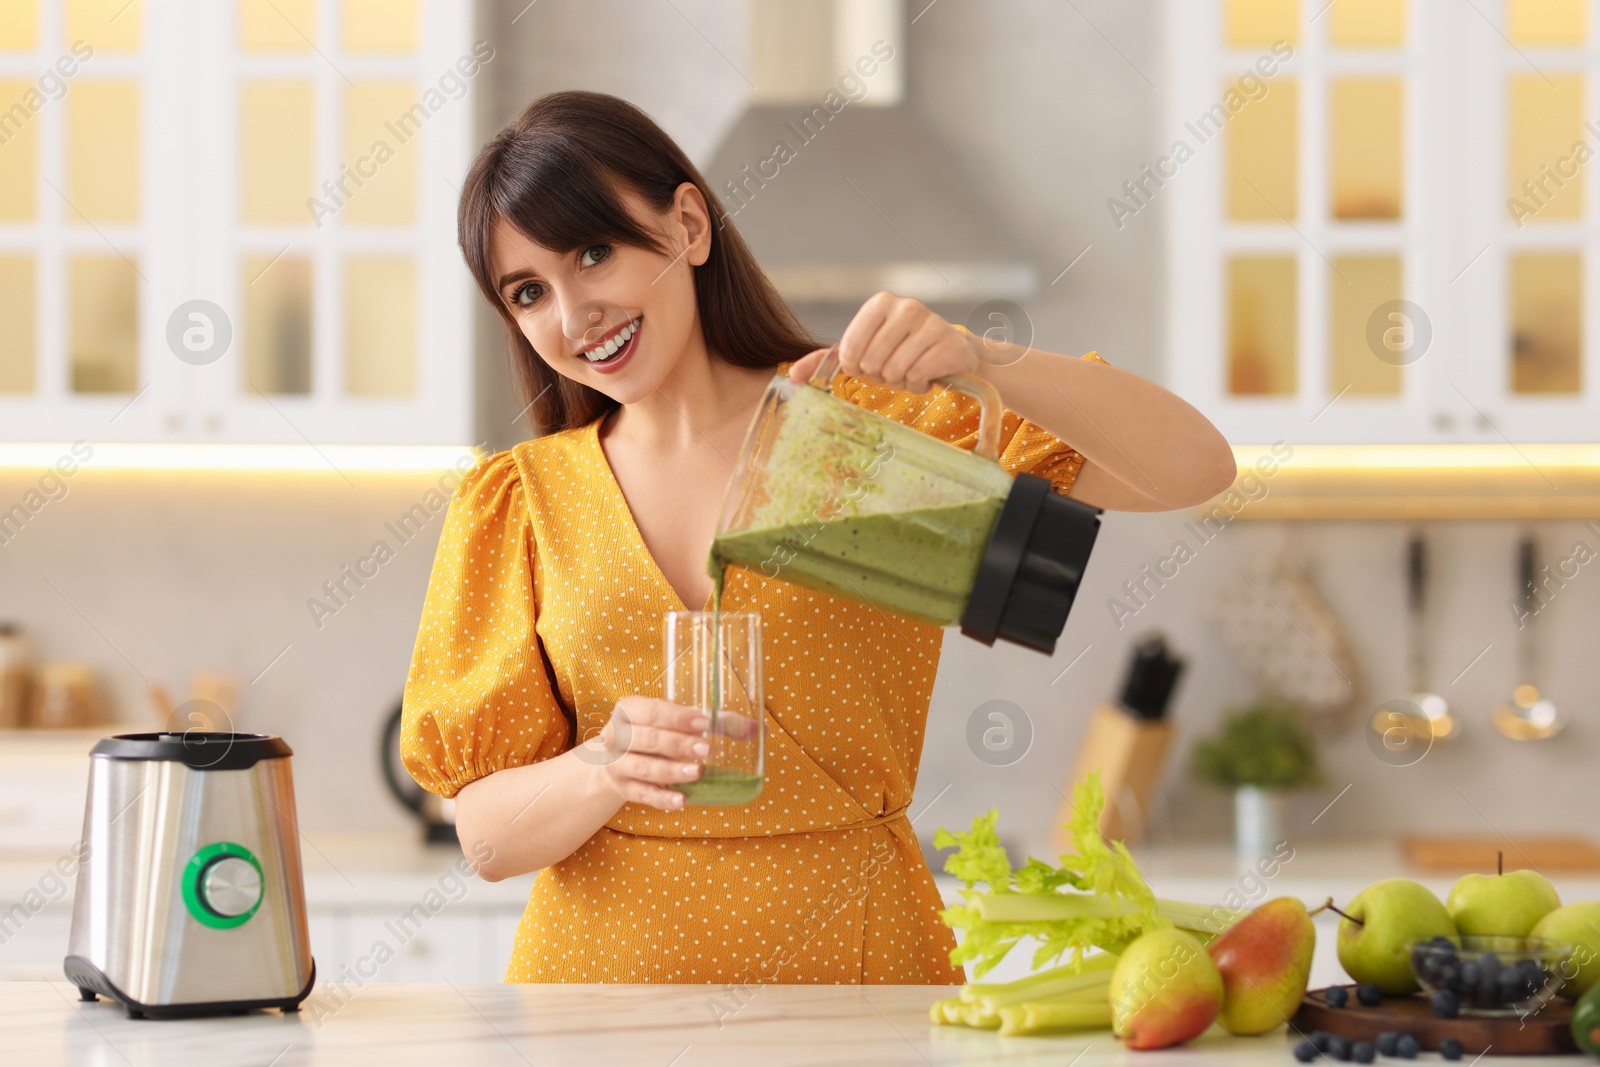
{"x": 836, "y": 185}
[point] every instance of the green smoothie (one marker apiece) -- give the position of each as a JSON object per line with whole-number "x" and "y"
{"x": 719, "y": 785}
{"x": 860, "y": 506}
{"x": 920, "y": 563}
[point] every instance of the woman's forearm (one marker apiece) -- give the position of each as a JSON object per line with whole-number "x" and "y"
{"x": 1147, "y": 437}
{"x": 534, "y": 816}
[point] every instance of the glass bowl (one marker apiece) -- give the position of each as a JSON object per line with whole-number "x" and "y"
{"x": 1492, "y": 975}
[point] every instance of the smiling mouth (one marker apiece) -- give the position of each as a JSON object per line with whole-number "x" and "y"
{"x": 614, "y": 347}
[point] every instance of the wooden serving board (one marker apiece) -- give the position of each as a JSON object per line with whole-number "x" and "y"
{"x": 1548, "y": 1033}
{"x": 1480, "y": 853}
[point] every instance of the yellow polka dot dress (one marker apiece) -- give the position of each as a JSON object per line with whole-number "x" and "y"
{"x": 544, "y": 608}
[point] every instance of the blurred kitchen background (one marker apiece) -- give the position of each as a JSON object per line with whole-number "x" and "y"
{"x": 1359, "y": 235}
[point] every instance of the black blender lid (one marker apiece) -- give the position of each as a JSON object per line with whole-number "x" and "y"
{"x": 1032, "y": 566}
{"x": 200, "y": 750}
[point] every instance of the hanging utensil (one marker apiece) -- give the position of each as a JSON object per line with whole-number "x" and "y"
{"x": 1530, "y": 716}
{"x": 1433, "y": 706}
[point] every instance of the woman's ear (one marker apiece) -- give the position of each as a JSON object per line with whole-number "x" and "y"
{"x": 695, "y": 218}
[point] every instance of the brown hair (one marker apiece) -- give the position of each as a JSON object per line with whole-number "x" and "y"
{"x": 554, "y": 174}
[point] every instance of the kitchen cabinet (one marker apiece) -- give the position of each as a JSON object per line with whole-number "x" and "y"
{"x": 237, "y": 225}
{"x": 1381, "y": 221}
{"x": 369, "y": 924}
{"x": 472, "y": 945}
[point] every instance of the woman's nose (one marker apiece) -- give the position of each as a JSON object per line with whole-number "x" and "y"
{"x": 586, "y": 323}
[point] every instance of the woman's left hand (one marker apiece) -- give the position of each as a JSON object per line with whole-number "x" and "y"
{"x": 897, "y": 341}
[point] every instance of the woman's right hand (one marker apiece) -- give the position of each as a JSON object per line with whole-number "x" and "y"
{"x": 646, "y": 746}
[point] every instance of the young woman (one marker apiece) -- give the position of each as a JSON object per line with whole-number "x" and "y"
{"x": 644, "y": 334}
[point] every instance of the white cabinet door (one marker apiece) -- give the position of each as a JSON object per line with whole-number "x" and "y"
{"x": 398, "y": 946}
{"x": 298, "y": 179}
{"x": 1372, "y": 157}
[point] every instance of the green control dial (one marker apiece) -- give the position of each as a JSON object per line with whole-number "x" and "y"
{"x": 223, "y": 885}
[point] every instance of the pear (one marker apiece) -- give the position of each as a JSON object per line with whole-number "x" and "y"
{"x": 1577, "y": 925}
{"x": 1506, "y": 904}
{"x": 1164, "y": 990}
{"x": 1379, "y": 927}
{"x": 1265, "y": 962}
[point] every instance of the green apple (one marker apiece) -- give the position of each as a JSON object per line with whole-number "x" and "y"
{"x": 1164, "y": 990}
{"x": 1506, "y": 904}
{"x": 1265, "y": 960}
{"x": 1577, "y": 925}
{"x": 1379, "y": 927}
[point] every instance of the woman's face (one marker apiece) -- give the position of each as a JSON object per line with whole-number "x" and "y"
{"x": 614, "y": 317}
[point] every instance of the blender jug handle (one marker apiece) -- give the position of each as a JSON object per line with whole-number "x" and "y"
{"x": 990, "y": 410}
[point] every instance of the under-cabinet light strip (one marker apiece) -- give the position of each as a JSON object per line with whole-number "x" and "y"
{"x": 330, "y": 459}
{"x": 1423, "y": 457}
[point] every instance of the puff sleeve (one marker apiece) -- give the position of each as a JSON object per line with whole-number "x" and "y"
{"x": 1025, "y": 446}
{"x": 478, "y": 696}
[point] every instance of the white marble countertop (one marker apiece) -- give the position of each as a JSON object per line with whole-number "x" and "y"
{"x": 608, "y": 1026}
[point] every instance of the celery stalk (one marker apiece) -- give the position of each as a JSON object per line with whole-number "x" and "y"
{"x": 940, "y": 1011}
{"x": 1103, "y": 961}
{"x": 978, "y": 1017}
{"x": 1053, "y": 907}
{"x": 1039, "y": 1016}
{"x": 1095, "y": 986}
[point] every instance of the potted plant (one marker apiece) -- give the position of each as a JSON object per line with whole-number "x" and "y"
{"x": 1262, "y": 751}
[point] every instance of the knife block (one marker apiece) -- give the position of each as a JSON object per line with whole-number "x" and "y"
{"x": 1130, "y": 754}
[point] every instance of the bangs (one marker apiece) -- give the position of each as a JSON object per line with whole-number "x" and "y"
{"x": 564, "y": 200}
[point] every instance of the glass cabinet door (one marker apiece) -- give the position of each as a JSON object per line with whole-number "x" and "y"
{"x": 1384, "y": 232}
{"x": 234, "y": 220}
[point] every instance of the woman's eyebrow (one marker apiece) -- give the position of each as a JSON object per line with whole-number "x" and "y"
{"x": 515, "y": 276}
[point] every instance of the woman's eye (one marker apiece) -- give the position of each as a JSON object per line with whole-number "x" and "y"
{"x": 594, "y": 254}
{"x": 527, "y": 293}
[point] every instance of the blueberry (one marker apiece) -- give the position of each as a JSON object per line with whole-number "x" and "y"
{"x": 1471, "y": 974}
{"x": 1444, "y": 943}
{"x": 1450, "y": 1049}
{"x": 1446, "y": 1005}
{"x": 1339, "y": 1047}
{"x": 1319, "y": 1040}
{"x": 1421, "y": 961}
{"x": 1386, "y": 1041}
{"x": 1509, "y": 987}
{"x": 1337, "y": 996}
{"x": 1406, "y": 1047}
{"x": 1490, "y": 960}
{"x": 1447, "y": 974}
{"x": 1305, "y": 1052}
{"x": 1363, "y": 1052}
{"x": 1370, "y": 994}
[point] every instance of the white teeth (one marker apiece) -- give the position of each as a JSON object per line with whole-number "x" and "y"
{"x": 609, "y": 349}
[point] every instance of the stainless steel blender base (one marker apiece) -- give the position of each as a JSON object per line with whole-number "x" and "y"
{"x": 92, "y": 982}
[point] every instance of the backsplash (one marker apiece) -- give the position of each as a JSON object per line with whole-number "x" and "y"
{"x": 152, "y": 576}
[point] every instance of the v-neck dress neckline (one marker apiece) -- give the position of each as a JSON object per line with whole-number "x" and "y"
{"x": 635, "y": 535}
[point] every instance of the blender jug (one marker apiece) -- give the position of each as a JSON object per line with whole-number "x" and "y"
{"x": 834, "y": 497}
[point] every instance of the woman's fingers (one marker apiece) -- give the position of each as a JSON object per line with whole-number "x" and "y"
{"x": 651, "y": 711}
{"x": 653, "y": 796}
{"x": 907, "y": 366}
{"x": 738, "y": 727}
{"x": 656, "y": 741}
{"x": 656, "y": 770}
{"x": 804, "y": 367}
{"x": 864, "y": 326}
